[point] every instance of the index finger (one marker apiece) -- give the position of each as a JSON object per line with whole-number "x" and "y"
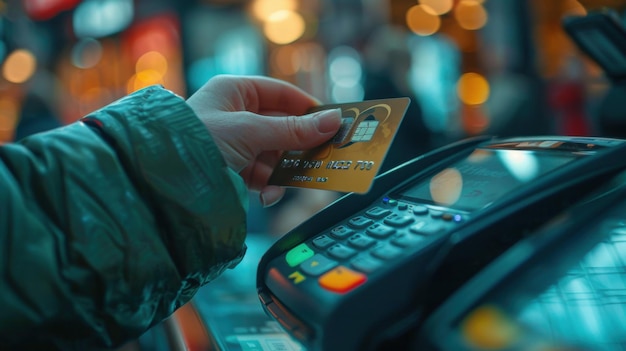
{"x": 268, "y": 95}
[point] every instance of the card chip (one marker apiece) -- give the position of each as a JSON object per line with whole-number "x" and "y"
{"x": 365, "y": 130}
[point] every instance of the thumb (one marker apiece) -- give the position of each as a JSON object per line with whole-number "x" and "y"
{"x": 301, "y": 132}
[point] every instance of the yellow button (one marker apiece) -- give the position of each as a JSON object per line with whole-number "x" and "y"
{"x": 341, "y": 280}
{"x": 297, "y": 277}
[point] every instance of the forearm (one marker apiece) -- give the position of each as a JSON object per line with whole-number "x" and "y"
{"x": 109, "y": 227}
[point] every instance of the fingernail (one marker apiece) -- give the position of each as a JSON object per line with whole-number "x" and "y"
{"x": 268, "y": 201}
{"x": 328, "y": 120}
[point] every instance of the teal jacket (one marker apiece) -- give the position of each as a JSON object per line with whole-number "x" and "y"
{"x": 109, "y": 224}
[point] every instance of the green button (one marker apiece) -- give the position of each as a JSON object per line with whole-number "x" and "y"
{"x": 298, "y": 255}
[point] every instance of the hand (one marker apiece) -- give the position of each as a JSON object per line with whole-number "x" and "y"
{"x": 254, "y": 119}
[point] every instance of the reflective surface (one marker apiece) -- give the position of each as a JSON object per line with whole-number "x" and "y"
{"x": 584, "y": 309}
{"x": 485, "y": 176}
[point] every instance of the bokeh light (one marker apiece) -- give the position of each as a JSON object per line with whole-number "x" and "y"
{"x": 474, "y": 120}
{"x": 470, "y": 14}
{"x": 346, "y": 94}
{"x": 144, "y": 79}
{"x": 446, "y": 186}
{"x": 8, "y": 118}
{"x": 345, "y": 67}
{"x": 284, "y": 27}
{"x": 99, "y": 18}
{"x": 422, "y": 20}
{"x": 573, "y": 8}
{"x": 286, "y": 60}
{"x": 91, "y": 98}
{"x": 19, "y": 66}
{"x": 345, "y": 71}
{"x": 152, "y": 60}
{"x": 473, "y": 88}
{"x": 439, "y": 7}
{"x": 263, "y": 9}
{"x": 487, "y": 328}
{"x": 86, "y": 53}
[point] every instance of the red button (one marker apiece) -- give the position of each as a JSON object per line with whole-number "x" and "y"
{"x": 341, "y": 280}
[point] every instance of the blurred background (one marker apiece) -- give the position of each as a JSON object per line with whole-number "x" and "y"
{"x": 470, "y": 66}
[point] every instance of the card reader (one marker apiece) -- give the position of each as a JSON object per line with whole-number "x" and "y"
{"x": 360, "y": 272}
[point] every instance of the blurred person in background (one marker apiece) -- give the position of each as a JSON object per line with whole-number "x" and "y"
{"x": 110, "y": 224}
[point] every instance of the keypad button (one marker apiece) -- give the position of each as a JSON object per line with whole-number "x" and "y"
{"x": 426, "y": 228}
{"x": 458, "y": 218}
{"x": 386, "y": 251}
{"x": 436, "y": 214}
{"x": 341, "y": 232}
{"x": 361, "y": 241}
{"x": 366, "y": 263}
{"x": 420, "y": 210}
{"x": 447, "y": 216}
{"x": 390, "y": 202}
{"x": 317, "y": 265}
{"x": 299, "y": 254}
{"x": 342, "y": 280}
{"x": 322, "y": 241}
{"x": 360, "y": 222}
{"x": 377, "y": 212}
{"x": 402, "y": 206}
{"x": 340, "y": 252}
{"x": 380, "y": 231}
{"x": 396, "y": 220}
{"x": 406, "y": 239}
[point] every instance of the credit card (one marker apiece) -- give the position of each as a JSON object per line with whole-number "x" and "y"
{"x": 350, "y": 160}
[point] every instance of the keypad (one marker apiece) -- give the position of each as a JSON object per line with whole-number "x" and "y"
{"x": 341, "y": 252}
{"x": 360, "y": 222}
{"x": 426, "y": 228}
{"x": 386, "y": 251}
{"x": 366, "y": 263}
{"x": 406, "y": 239}
{"x": 341, "y": 232}
{"x": 377, "y": 212}
{"x": 398, "y": 220}
{"x": 323, "y": 241}
{"x": 378, "y": 230}
{"x": 361, "y": 241}
{"x": 370, "y": 241}
{"x": 420, "y": 210}
{"x": 317, "y": 265}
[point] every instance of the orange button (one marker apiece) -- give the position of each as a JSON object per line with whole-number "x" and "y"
{"x": 341, "y": 279}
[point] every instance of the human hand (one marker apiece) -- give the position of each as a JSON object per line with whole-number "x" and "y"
{"x": 254, "y": 119}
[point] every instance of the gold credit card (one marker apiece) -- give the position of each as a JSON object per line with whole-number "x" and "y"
{"x": 350, "y": 160}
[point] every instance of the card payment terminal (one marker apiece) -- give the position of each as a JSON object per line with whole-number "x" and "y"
{"x": 361, "y": 272}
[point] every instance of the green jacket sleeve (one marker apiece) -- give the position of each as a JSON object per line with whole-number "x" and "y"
{"x": 111, "y": 223}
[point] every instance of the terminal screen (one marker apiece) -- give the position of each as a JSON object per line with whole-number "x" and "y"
{"x": 484, "y": 176}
